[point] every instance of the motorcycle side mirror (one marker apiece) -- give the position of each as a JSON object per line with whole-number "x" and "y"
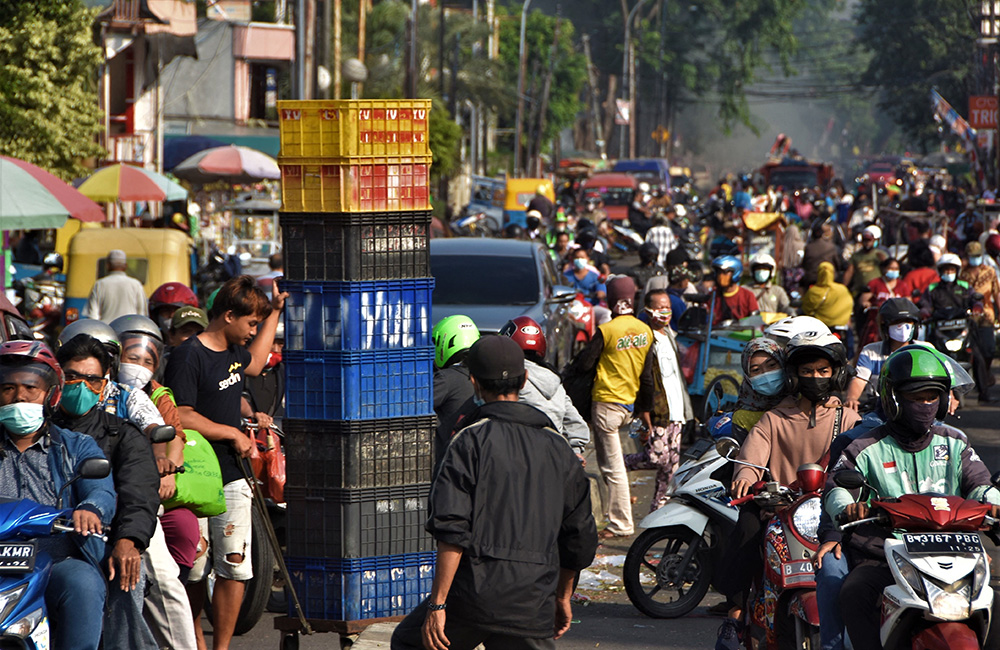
{"x": 850, "y": 479}
{"x": 92, "y": 468}
{"x": 562, "y": 295}
{"x": 727, "y": 447}
{"x": 162, "y": 434}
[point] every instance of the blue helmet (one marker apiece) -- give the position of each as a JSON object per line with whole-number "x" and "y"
{"x": 728, "y": 263}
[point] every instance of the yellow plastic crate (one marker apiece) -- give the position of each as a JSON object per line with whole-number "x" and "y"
{"x": 337, "y": 128}
{"x": 377, "y": 184}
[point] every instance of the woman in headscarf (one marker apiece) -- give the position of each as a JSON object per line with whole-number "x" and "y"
{"x": 792, "y": 248}
{"x": 763, "y": 386}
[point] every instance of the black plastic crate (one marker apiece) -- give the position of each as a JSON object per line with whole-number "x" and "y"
{"x": 359, "y": 453}
{"x": 341, "y": 523}
{"x": 359, "y": 246}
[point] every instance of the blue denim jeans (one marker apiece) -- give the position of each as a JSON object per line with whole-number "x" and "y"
{"x": 75, "y": 599}
{"x": 124, "y": 626}
{"x": 829, "y": 580}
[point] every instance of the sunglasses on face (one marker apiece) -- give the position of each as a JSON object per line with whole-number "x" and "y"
{"x": 95, "y": 383}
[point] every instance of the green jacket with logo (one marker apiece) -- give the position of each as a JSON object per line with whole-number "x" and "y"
{"x": 945, "y": 464}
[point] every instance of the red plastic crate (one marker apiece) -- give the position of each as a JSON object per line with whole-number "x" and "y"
{"x": 356, "y": 184}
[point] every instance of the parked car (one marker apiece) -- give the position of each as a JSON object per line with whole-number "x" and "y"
{"x": 494, "y": 280}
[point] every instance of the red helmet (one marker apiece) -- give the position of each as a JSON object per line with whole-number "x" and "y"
{"x": 993, "y": 245}
{"x": 34, "y": 352}
{"x": 173, "y": 294}
{"x": 526, "y": 333}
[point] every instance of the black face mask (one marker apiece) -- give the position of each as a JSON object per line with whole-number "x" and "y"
{"x": 816, "y": 389}
{"x": 916, "y": 418}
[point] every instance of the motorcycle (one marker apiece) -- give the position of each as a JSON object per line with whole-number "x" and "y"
{"x": 949, "y": 332}
{"x": 669, "y": 567}
{"x": 582, "y": 314}
{"x": 477, "y": 224}
{"x": 783, "y": 600}
{"x": 941, "y": 598}
{"x": 626, "y": 239}
{"x": 42, "y": 305}
{"x": 24, "y": 572}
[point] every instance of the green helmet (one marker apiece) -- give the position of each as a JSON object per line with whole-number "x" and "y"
{"x": 910, "y": 369}
{"x": 452, "y": 335}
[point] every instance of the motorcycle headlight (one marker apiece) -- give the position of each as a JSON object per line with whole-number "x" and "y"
{"x": 950, "y": 602}
{"x": 25, "y": 626}
{"x": 953, "y": 345}
{"x": 9, "y": 600}
{"x": 805, "y": 519}
{"x": 979, "y": 576}
{"x": 910, "y": 575}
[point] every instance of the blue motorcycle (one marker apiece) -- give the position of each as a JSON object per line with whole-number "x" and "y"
{"x": 24, "y": 571}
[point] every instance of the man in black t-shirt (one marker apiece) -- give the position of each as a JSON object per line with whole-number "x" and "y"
{"x": 207, "y": 374}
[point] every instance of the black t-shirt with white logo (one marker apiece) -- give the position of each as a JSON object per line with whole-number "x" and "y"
{"x": 211, "y": 383}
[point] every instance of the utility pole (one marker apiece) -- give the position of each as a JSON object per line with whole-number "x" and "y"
{"x": 441, "y": 51}
{"x": 337, "y": 82}
{"x": 522, "y": 62}
{"x": 412, "y": 58}
{"x": 627, "y": 81}
{"x": 595, "y": 113}
{"x": 546, "y": 87}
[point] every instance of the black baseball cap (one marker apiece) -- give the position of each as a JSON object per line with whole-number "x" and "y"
{"x": 495, "y": 358}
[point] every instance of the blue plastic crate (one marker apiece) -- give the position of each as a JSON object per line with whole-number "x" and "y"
{"x": 354, "y": 590}
{"x": 375, "y": 315}
{"x": 367, "y": 385}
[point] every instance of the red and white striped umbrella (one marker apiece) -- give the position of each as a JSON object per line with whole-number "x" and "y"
{"x": 231, "y": 164}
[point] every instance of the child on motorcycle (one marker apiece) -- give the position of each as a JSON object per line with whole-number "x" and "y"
{"x": 910, "y": 453}
{"x": 797, "y": 431}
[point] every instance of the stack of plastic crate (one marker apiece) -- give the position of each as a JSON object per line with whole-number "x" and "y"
{"x": 359, "y": 415}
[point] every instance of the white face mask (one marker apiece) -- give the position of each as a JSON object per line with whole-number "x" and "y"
{"x": 134, "y": 375}
{"x": 762, "y": 275}
{"x": 901, "y": 333}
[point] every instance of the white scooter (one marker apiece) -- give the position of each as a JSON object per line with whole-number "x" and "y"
{"x": 669, "y": 567}
{"x": 941, "y": 598}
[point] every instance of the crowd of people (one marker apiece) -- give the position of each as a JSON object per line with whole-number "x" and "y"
{"x": 113, "y": 385}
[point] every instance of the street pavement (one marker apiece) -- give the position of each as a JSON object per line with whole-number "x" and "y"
{"x": 607, "y": 620}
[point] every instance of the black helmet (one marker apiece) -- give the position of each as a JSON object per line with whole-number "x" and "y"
{"x": 897, "y": 310}
{"x": 513, "y": 231}
{"x": 53, "y": 261}
{"x": 648, "y": 253}
{"x": 586, "y": 238}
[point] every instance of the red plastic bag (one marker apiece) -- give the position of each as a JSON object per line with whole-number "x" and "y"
{"x": 689, "y": 360}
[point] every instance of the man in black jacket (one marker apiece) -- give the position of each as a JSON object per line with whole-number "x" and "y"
{"x": 510, "y": 509}
{"x": 85, "y": 362}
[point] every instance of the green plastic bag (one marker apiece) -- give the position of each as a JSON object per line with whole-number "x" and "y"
{"x": 199, "y": 488}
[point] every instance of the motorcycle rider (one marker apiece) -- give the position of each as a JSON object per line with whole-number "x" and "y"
{"x": 898, "y": 319}
{"x": 662, "y": 236}
{"x": 86, "y": 363}
{"x": 37, "y": 455}
{"x": 797, "y": 431}
{"x": 831, "y": 302}
{"x": 764, "y": 384}
{"x": 732, "y": 302}
{"x": 913, "y": 392}
{"x": 646, "y": 268}
{"x": 953, "y": 298}
{"x": 771, "y": 297}
{"x": 543, "y": 388}
{"x": 453, "y": 394}
{"x": 863, "y": 266}
{"x": 540, "y": 203}
{"x": 585, "y": 278}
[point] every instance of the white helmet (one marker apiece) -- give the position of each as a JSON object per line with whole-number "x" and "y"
{"x": 787, "y": 328}
{"x": 762, "y": 259}
{"x": 874, "y": 231}
{"x": 950, "y": 259}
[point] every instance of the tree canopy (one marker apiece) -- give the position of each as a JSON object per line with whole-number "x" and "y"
{"x": 48, "y": 100}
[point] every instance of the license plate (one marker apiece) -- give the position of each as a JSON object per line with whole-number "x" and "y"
{"x": 797, "y": 573}
{"x": 17, "y": 556}
{"x": 942, "y": 543}
{"x": 952, "y": 324}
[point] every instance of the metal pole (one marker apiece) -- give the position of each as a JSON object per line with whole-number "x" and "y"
{"x": 334, "y": 61}
{"x": 300, "y": 49}
{"x": 626, "y": 81}
{"x": 522, "y": 61}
